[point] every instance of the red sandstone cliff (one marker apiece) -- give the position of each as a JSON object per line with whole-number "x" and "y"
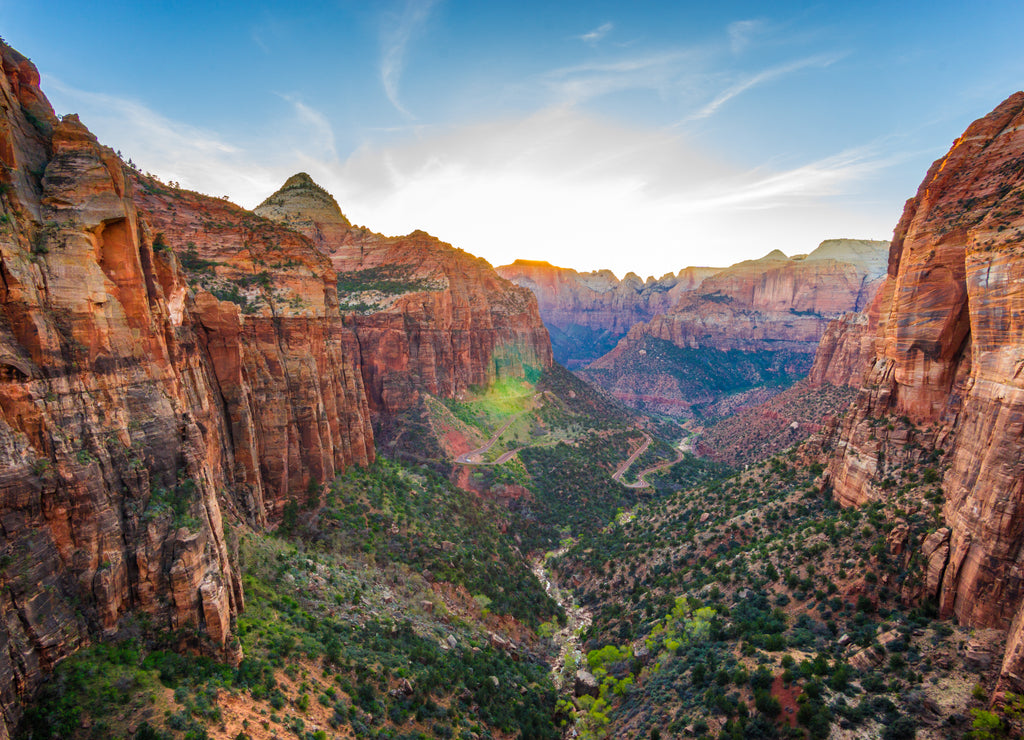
{"x": 136, "y": 404}
{"x": 764, "y": 316}
{"x": 429, "y": 317}
{"x": 948, "y": 349}
{"x": 286, "y": 364}
{"x": 110, "y": 420}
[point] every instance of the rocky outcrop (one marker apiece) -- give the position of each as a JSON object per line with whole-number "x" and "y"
{"x": 588, "y": 312}
{"x": 848, "y": 345}
{"x": 947, "y": 365}
{"x": 761, "y": 320}
{"x": 164, "y": 356}
{"x": 286, "y": 364}
{"x": 429, "y": 317}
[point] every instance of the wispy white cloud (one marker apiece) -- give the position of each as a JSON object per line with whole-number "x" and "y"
{"x": 813, "y": 181}
{"x": 659, "y": 71}
{"x": 741, "y": 33}
{"x": 773, "y": 73}
{"x": 199, "y": 159}
{"x": 592, "y": 37}
{"x": 396, "y": 35}
{"x": 318, "y": 122}
{"x": 655, "y": 190}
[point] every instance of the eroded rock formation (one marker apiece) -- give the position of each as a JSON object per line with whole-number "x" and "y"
{"x": 111, "y": 424}
{"x": 588, "y": 312}
{"x": 429, "y": 317}
{"x": 761, "y": 319}
{"x": 947, "y": 368}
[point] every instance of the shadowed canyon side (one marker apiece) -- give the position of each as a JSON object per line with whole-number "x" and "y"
{"x": 945, "y": 376}
{"x": 588, "y": 312}
{"x": 429, "y": 317}
{"x": 755, "y": 323}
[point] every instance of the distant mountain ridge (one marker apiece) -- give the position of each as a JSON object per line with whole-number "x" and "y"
{"x": 588, "y": 312}
{"x": 708, "y": 332}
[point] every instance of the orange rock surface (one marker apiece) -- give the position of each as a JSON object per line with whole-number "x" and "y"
{"x": 429, "y": 317}
{"x": 166, "y": 357}
{"x": 597, "y": 302}
{"x": 947, "y": 359}
{"x": 111, "y": 431}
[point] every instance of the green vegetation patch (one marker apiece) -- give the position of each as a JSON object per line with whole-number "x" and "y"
{"x": 386, "y": 279}
{"x": 415, "y": 517}
{"x": 573, "y": 488}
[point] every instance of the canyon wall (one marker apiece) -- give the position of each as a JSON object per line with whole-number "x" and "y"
{"x": 168, "y": 359}
{"x": 429, "y": 317}
{"x": 112, "y": 451}
{"x": 945, "y": 376}
{"x": 588, "y": 312}
{"x": 757, "y": 322}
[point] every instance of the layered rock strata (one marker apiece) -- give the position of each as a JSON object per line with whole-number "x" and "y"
{"x": 429, "y": 318}
{"x": 947, "y": 366}
{"x": 588, "y": 312}
{"x": 111, "y": 423}
{"x": 763, "y": 318}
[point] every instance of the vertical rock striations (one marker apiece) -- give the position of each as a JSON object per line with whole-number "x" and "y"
{"x": 949, "y": 352}
{"x": 286, "y": 364}
{"x": 108, "y": 471}
{"x": 163, "y": 355}
{"x": 429, "y": 317}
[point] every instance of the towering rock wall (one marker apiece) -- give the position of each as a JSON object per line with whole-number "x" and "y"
{"x": 286, "y": 364}
{"x": 166, "y": 357}
{"x": 429, "y": 317}
{"x": 587, "y": 312}
{"x": 949, "y": 349}
{"x": 774, "y": 301}
{"x": 112, "y": 434}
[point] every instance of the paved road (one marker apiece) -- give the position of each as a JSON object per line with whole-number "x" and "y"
{"x": 473, "y": 457}
{"x": 617, "y": 475}
{"x": 641, "y": 478}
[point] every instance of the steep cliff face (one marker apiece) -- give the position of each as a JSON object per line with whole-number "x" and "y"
{"x": 948, "y": 355}
{"x": 588, "y": 312}
{"x": 109, "y": 468}
{"x": 848, "y": 345}
{"x": 142, "y": 391}
{"x": 429, "y": 317}
{"x": 762, "y": 318}
{"x": 287, "y": 365}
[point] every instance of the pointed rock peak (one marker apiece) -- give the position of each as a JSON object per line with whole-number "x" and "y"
{"x": 301, "y": 199}
{"x": 300, "y": 180}
{"x": 775, "y": 254}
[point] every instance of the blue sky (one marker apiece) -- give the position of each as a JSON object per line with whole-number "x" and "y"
{"x": 641, "y": 136}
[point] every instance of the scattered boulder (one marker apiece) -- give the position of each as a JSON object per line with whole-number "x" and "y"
{"x": 977, "y": 657}
{"x": 586, "y": 684}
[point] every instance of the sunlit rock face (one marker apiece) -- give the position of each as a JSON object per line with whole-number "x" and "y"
{"x": 948, "y": 356}
{"x": 164, "y": 357}
{"x": 429, "y": 317}
{"x": 112, "y": 432}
